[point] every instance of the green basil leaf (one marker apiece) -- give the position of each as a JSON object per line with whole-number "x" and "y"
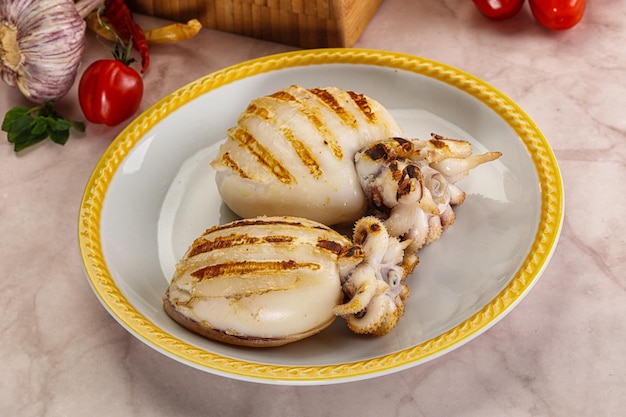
{"x": 27, "y": 127}
{"x": 59, "y": 136}
{"x": 30, "y": 141}
{"x": 39, "y": 126}
{"x": 21, "y": 126}
{"x": 60, "y": 125}
{"x": 12, "y": 115}
{"x": 77, "y": 126}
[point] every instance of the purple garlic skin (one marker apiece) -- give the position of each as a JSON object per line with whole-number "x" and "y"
{"x": 41, "y": 45}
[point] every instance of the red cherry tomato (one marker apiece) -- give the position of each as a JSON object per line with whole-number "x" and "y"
{"x": 109, "y": 92}
{"x": 499, "y": 9}
{"x": 558, "y": 14}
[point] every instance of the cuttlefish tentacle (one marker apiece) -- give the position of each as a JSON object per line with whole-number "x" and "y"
{"x": 411, "y": 184}
{"x": 375, "y": 290}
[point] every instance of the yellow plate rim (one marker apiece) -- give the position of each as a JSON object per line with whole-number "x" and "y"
{"x": 545, "y": 241}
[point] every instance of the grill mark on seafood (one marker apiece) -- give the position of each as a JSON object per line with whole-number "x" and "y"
{"x": 234, "y": 240}
{"x": 355, "y": 252}
{"x": 261, "y": 221}
{"x": 363, "y": 104}
{"x": 438, "y": 142}
{"x": 330, "y": 139}
{"x": 238, "y": 296}
{"x": 385, "y": 152}
{"x": 305, "y": 156}
{"x": 251, "y": 267}
{"x": 264, "y": 157}
{"x": 283, "y": 95}
{"x": 203, "y": 245}
{"x": 406, "y": 185}
{"x": 377, "y": 152}
{"x": 313, "y": 116}
{"x": 330, "y": 246}
{"x": 261, "y": 112}
{"x": 230, "y": 163}
{"x": 299, "y": 147}
{"x": 331, "y": 102}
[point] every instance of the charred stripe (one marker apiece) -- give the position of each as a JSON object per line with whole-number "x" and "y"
{"x": 305, "y": 156}
{"x": 230, "y": 163}
{"x": 234, "y": 240}
{"x": 262, "y": 155}
{"x": 251, "y": 267}
{"x": 363, "y": 105}
{"x": 330, "y": 139}
{"x": 331, "y": 102}
{"x": 299, "y": 147}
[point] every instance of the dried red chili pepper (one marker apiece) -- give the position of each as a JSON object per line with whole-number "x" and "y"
{"x": 121, "y": 18}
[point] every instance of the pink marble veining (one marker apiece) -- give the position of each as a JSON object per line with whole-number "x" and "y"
{"x": 559, "y": 353}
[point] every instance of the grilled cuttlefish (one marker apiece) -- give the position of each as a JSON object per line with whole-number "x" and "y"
{"x": 292, "y": 153}
{"x": 269, "y": 281}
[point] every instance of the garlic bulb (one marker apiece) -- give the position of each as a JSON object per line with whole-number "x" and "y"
{"x": 41, "y": 45}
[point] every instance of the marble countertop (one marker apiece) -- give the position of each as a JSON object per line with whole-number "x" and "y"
{"x": 560, "y": 352}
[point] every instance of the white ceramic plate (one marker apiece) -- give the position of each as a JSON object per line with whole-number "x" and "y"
{"x": 152, "y": 193}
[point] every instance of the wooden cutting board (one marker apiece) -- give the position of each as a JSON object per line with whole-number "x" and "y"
{"x": 303, "y": 23}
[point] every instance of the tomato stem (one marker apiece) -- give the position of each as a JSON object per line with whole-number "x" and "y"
{"x": 122, "y": 51}
{"x": 121, "y": 18}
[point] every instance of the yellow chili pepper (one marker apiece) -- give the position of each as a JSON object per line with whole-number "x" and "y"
{"x": 175, "y": 32}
